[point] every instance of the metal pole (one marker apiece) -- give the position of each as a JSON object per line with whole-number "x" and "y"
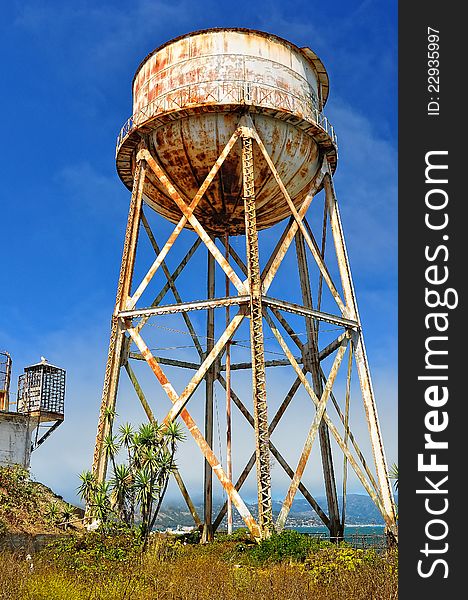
{"x": 207, "y": 535}
{"x": 256, "y": 340}
{"x": 311, "y": 361}
{"x": 388, "y": 503}
{"x": 114, "y": 356}
{"x": 346, "y": 426}
{"x": 228, "y": 398}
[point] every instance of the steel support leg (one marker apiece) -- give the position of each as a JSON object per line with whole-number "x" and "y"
{"x": 114, "y": 356}
{"x": 311, "y": 362}
{"x": 383, "y": 479}
{"x": 228, "y": 398}
{"x": 256, "y": 337}
{"x": 207, "y": 535}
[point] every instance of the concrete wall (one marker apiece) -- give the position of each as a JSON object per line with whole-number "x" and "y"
{"x": 15, "y": 439}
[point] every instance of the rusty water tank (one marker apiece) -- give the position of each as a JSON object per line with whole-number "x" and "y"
{"x": 188, "y": 97}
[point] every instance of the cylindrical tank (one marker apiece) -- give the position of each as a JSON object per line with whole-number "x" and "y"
{"x": 188, "y": 97}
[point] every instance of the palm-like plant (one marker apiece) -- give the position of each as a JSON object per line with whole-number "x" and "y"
{"x": 144, "y": 486}
{"x": 101, "y": 506}
{"x": 110, "y": 414}
{"x": 87, "y": 487}
{"x": 52, "y": 512}
{"x": 121, "y": 484}
{"x": 174, "y": 434}
{"x": 111, "y": 447}
{"x": 68, "y": 512}
{"x": 126, "y": 434}
{"x": 140, "y": 484}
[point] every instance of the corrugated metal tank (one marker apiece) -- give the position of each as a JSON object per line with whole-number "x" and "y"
{"x": 188, "y": 97}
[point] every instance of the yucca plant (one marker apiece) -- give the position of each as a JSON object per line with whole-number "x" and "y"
{"x": 87, "y": 487}
{"x": 67, "y": 514}
{"x": 138, "y": 486}
{"x": 52, "y": 513}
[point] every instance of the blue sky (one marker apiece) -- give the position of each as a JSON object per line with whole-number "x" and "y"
{"x": 66, "y": 81}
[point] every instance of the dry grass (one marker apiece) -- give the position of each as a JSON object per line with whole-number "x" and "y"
{"x": 24, "y": 504}
{"x": 190, "y": 572}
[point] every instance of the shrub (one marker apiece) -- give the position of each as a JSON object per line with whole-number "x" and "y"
{"x": 328, "y": 563}
{"x": 92, "y": 551}
{"x": 288, "y": 545}
{"x": 242, "y": 534}
{"x": 138, "y": 486}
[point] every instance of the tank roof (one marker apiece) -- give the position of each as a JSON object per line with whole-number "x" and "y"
{"x": 312, "y": 58}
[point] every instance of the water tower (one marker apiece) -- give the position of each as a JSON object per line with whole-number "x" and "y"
{"x": 228, "y": 138}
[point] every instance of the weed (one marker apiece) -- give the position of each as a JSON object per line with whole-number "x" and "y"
{"x": 288, "y": 545}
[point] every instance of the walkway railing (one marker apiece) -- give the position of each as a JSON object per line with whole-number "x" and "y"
{"x": 232, "y": 92}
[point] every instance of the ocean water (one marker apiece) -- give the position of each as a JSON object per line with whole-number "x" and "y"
{"x": 350, "y": 530}
{"x": 359, "y": 536}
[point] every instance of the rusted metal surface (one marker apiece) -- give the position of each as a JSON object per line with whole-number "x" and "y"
{"x": 331, "y": 347}
{"x": 294, "y": 151}
{"x": 346, "y": 427}
{"x": 310, "y": 438}
{"x": 268, "y": 363}
{"x": 389, "y": 509}
{"x": 186, "y": 210}
{"x": 172, "y": 362}
{"x": 311, "y": 361}
{"x": 273, "y": 450}
{"x": 304, "y": 491}
{"x": 207, "y": 534}
{"x": 174, "y": 275}
{"x": 265, "y": 516}
{"x": 349, "y": 435}
{"x": 198, "y": 437}
{"x": 187, "y": 97}
{"x": 184, "y": 397}
{"x": 287, "y": 327}
{"x": 227, "y": 291}
{"x": 267, "y": 277}
{"x": 333, "y": 430}
{"x": 188, "y": 215}
{"x": 184, "y": 307}
{"x": 226, "y": 54}
{"x": 310, "y": 240}
{"x": 111, "y": 378}
{"x": 309, "y": 312}
{"x": 279, "y": 245}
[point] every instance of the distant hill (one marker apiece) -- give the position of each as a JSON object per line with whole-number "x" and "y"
{"x": 360, "y": 510}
